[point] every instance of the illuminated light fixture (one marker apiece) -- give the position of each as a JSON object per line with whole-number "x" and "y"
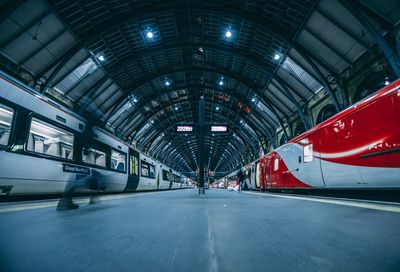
{"x": 386, "y": 83}
{"x": 167, "y": 83}
{"x": 152, "y": 121}
{"x": 176, "y": 108}
{"x": 135, "y": 100}
{"x": 253, "y": 99}
{"x": 149, "y": 34}
{"x": 217, "y": 108}
{"x": 228, "y": 34}
{"x": 101, "y": 58}
{"x": 241, "y": 121}
{"x": 221, "y": 81}
{"x": 277, "y": 57}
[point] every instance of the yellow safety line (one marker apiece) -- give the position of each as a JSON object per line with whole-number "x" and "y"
{"x": 352, "y": 203}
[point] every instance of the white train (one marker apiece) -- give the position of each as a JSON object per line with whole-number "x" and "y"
{"x": 42, "y": 148}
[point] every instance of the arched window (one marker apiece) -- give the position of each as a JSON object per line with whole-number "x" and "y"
{"x": 282, "y": 140}
{"x": 326, "y": 112}
{"x": 299, "y": 130}
{"x": 372, "y": 83}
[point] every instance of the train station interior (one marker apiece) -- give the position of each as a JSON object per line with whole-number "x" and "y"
{"x": 206, "y": 135}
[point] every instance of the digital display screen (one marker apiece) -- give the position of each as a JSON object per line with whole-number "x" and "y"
{"x": 185, "y": 128}
{"x": 218, "y": 128}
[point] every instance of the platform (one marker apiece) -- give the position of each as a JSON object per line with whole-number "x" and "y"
{"x": 182, "y": 231}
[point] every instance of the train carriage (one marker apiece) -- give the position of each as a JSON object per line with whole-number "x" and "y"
{"x": 357, "y": 148}
{"x": 43, "y": 146}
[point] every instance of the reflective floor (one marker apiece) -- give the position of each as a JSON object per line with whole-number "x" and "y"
{"x": 182, "y": 231}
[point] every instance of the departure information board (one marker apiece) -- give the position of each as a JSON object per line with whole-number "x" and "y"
{"x": 219, "y": 128}
{"x": 184, "y": 128}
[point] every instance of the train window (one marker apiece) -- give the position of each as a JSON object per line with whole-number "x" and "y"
{"x": 118, "y": 161}
{"x": 50, "y": 140}
{"x": 167, "y": 176}
{"x": 144, "y": 169}
{"x": 308, "y": 153}
{"x": 152, "y": 171}
{"x": 276, "y": 164}
{"x": 134, "y": 170}
{"x": 6, "y": 116}
{"x": 94, "y": 156}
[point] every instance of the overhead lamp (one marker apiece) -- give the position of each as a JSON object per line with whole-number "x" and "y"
{"x": 167, "y": 83}
{"x": 176, "y": 108}
{"x": 135, "y": 100}
{"x": 253, "y": 99}
{"x": 277, "y": 57}
{"x": 149, "y": 34}
{"x": 217, "y": 108}
{"x": 241, "y": 121}
{"x": 152, "y": 121}
{"x": 101, "y": 58}
{"x": 228, "y": 34}
{"x": 387, "y": 83}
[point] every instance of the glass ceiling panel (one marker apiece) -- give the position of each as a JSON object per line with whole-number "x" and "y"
{"x": 291, "y": 66}
{"x": 86, "y": 68}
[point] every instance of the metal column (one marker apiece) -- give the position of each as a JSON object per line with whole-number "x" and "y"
{"x": 200, "y": 132}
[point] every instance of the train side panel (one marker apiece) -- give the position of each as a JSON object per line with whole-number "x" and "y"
{"x": 363, "y": 149}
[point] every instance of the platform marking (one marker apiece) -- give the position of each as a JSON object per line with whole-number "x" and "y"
{"x": 375, "y": 205}
{"x": 78, "y": 200}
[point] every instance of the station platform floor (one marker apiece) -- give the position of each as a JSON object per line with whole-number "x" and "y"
{"x": 182, "y": 231}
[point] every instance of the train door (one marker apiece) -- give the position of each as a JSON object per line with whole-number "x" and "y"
{"x": 253, "y": 176}
{"x": 133, "y": 174}
{"x": 262, "y": 172}
{"x": 268, "y": 173}
{"x": 336, "y": 141}
{"x": 257, "y": 170}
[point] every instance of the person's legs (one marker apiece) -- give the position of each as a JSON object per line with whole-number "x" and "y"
{"x": 65, "y": 202}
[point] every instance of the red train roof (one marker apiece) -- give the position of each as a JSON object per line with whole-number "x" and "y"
{"x": 363, "y": 103}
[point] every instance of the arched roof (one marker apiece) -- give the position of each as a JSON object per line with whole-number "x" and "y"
{"x": 97, "y": 57}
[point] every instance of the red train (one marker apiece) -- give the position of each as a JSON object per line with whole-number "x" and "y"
{"x": 357, "y": 148}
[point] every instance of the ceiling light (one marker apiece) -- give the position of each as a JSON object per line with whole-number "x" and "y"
{"x": 152, "y": 121}
{"x": 176, "y": 108}
{"x": 167, "y": 83}
{"x": 135, "y": 100}
{"x": 277, "y": 57}
{"x": 241, "y": 121}
{"x": 228, "y": 34}
{"x": 149, "y": 35}
{"x": 386, "y": 83}
{"x": 101, "y": 58}
{"x": 217, "y": 107}
{"x": 253, "y": 99}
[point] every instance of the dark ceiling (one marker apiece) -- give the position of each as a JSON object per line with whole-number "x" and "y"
{"x": 97, "y": 57}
